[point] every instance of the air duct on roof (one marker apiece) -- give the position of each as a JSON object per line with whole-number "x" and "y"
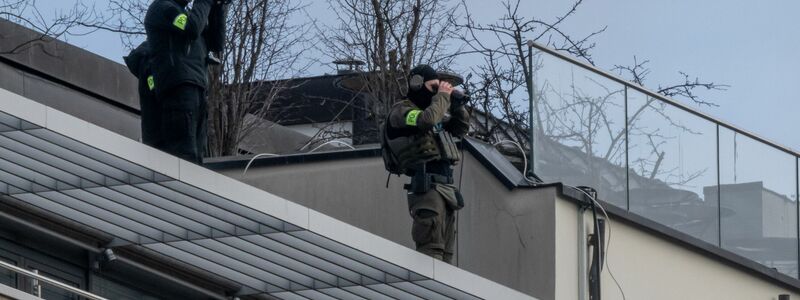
{"x": 348, "y": 66}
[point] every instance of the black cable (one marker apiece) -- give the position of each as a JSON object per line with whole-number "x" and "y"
{"x": 461, "y": 174}
{"x": 598, "y": 242}
{"x": 596, "y": 246}
{"x": 608, "y": 244}
{"x": 460, "y": 180}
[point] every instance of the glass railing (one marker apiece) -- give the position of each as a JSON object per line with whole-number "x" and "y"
{"x": 664, "y": 161}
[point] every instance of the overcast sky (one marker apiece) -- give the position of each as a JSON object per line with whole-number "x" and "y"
{"x": 750, "y": 45}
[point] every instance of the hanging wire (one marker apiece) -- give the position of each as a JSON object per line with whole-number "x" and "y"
{"x": 524, "y": 159}
{"x": 332, "y": 142}
{"x": 253, "y": 159}
{"x": 608, "y": 243}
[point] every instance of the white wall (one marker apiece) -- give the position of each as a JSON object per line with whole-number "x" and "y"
{"x": 650, "y": 267}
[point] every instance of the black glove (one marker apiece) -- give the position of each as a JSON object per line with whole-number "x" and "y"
{"x": 458, "y": 99}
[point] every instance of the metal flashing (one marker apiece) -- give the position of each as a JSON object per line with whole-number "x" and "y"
{"x": 487, "y": 155}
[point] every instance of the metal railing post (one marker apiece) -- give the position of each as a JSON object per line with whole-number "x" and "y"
{"x": 36, "y": 285}
{"x": 34, "y": 274}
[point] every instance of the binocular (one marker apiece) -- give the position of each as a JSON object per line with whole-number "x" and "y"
{"x": 459, "y": 98}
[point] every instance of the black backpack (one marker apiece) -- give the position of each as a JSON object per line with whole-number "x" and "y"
{"x": 138, "y": 60}
{"x": 390, "y": 161}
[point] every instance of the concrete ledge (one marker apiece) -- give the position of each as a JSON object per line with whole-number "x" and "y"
{"x": 68, "y": 64}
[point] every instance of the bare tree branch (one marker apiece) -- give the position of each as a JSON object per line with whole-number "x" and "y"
{"x": 61, "y": 25}
{"x": 686, "y": 88}
{"x": 390, "y": 37}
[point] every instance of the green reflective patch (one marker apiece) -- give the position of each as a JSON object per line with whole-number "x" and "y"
{"x": 151, "y": 82}
{"x": 180, "y": 21}
{"x": 411, "y": 117}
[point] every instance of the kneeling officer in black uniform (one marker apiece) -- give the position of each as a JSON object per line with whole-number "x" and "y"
{"x": 180, "y": 41}
{"x": 418, "y": 142}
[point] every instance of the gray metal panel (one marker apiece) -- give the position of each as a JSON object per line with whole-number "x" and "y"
{"x": 190, "y": 208}
{"x": 158, "y": 209}
{"x": 442, "y": 289}
{"x": 65, "y": 154}
{"x": 60, "y": 141}
{"x": 272, "y": 259}
{"x": 279, "y": 285}
{"x": 288, "y": 296}
{"x": 16, "y": 123}
{"x": 312, "y": 294}
{"x": 134, "y": 215}
{"x": 222, "y": 203}
{"x": 246, "y": 225}
{"x": 82, "y": 218}
{"x": 341, "y": 294}
{"x": 367, "y": 293}
{"x": 246, "y": 263}
{"x": 354, "y": 254}
{"x": 394, "y": 291}
{"x": 370, "y": 273}
{"x": 84, "y": 177}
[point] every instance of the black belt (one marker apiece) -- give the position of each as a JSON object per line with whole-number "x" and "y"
{"x": 441, "y": 179}
{"x": 422, "y": 183}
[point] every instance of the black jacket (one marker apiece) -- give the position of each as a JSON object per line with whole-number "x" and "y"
{"x": 178, "y": 42}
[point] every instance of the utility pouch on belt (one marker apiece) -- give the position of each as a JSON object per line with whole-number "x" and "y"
{"x": 447, "y": 147}
{"x": 422, "y": 181}
{"x": 451, "y": 195}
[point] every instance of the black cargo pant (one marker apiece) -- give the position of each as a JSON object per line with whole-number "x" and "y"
{"x": 183, "y": 124}
{"x": 433, "y": 230}
{"x": 150, "y": 115}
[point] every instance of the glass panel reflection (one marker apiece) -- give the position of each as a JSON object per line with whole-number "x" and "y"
{"x": 759, "y": 201}
{"x": 676, "y": 168}
{"x": 580, "y": 128}
{"x": 672, "y": 158}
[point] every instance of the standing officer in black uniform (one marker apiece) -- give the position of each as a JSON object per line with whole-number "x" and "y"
{"x": 419, "y": 135}
{"x": 180, "y": 40}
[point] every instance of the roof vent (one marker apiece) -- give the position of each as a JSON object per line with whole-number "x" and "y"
{"x": 348, "y": 66}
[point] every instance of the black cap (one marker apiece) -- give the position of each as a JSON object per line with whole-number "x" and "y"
{"x": 425, "y": 71}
